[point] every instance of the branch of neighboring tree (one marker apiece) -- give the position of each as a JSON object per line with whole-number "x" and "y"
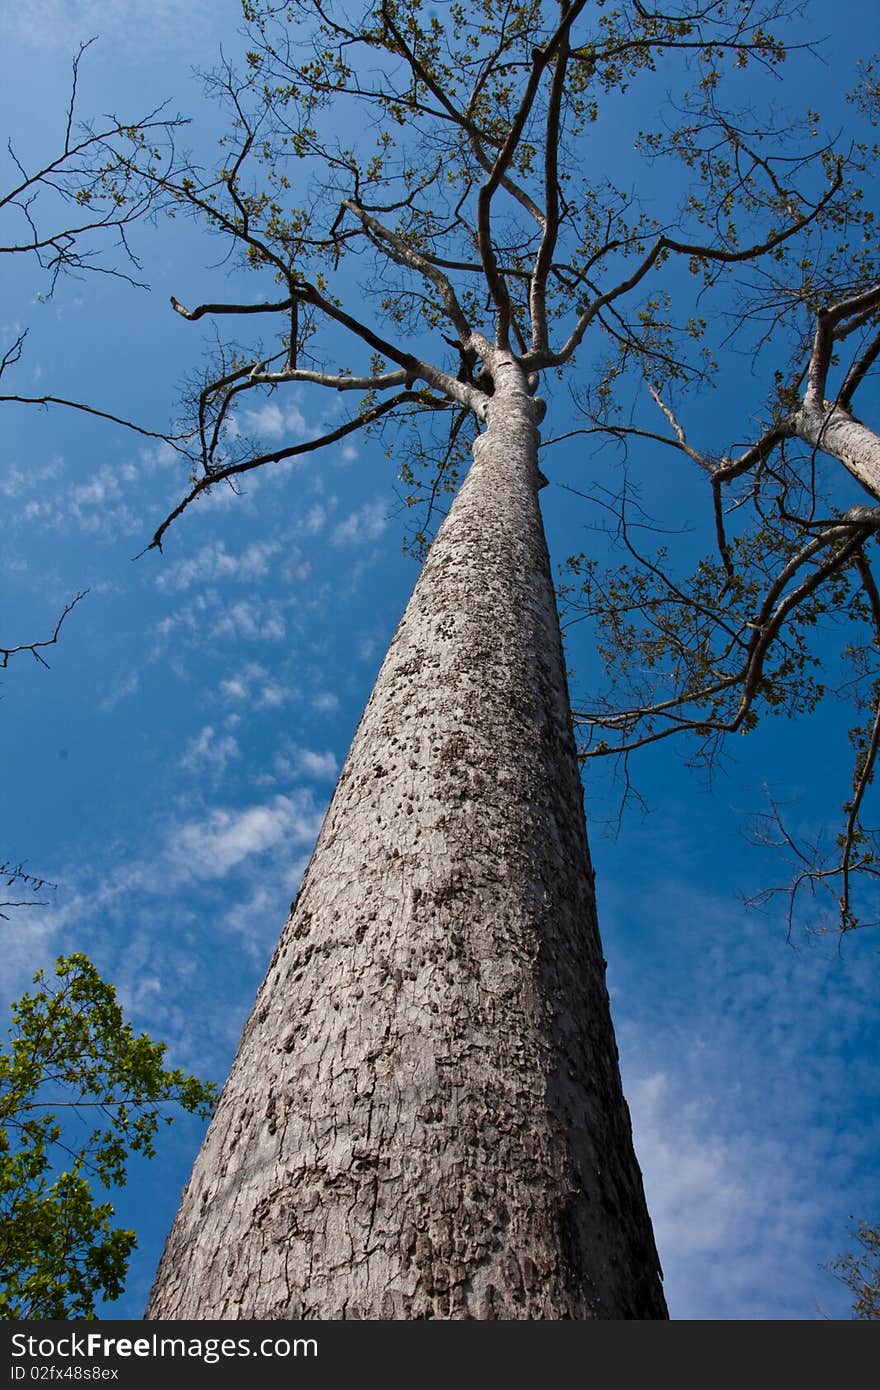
{"x": 171, "y": 439}
{"x": 849, "y": 536}
{"x": 35, "y": 648}
{"x": 15, "y": 873}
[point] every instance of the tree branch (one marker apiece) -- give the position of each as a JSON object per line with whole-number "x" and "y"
{"x": 35, "y": 648}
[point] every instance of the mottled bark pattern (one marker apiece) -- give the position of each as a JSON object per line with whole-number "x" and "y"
{"x": 425, "y": 1117}
{"x": 839, "y": 434}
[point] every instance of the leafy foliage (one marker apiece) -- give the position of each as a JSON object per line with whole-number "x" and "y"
{"x": 860, "y": 1272}
{"x": 79, "y": 1093}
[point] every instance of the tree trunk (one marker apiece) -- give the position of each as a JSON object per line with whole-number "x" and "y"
{"x": 839, "y": 434}
{"x": 425, "y": 1116}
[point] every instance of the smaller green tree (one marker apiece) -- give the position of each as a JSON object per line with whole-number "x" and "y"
{"x": 79, "y": 1093}
{"x": 860, "y": 1271}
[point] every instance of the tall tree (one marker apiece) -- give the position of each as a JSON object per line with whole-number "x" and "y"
{"x": 425, "y": 1116}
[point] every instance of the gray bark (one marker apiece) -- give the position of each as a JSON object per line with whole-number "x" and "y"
{"x": 839, "y": 434}
{"x": 425, "y": 1117}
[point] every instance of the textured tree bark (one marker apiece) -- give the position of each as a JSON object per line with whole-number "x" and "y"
{"x": 425, "y": 1117}
{"x": 839, "y": 434}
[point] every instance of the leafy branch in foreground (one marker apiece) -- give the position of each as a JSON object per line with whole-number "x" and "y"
{"x": 79, "y": 1093}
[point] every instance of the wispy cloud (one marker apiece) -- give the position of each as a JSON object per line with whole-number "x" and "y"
{"x": 325, "y": 701}
{"x": 153, "y": 28}
{"x": 253, "y": 620}
{"x": 218, "y": 842}
{"x": 213, "y": 563}
{"x": 274, "y": 420}
{"x": 314, "y": 520}
{"x": 211, "y": 751}
{"x": 252, "y": 685}
{"x": 121, "y": 689}
{"x": 98, "y": 505}
{"x": 295, "y": 761}
{"x": 741, "y": 1096}
{"x": 15, "y": 481}
{"x": 141, "y": 915}
{"x": 362, "y": 526}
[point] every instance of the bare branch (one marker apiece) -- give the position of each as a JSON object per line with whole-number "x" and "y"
{"x": 280, "y": 307}
{"x": 171, "y": 439}
{"x": 665, "y": 244}
{"x": 858, "y": 372}
{"x": 847, "y": 536}
{"x": 35, "y": 648}
{"x": 234, "y": 470}
{"x": 405, "y": 254}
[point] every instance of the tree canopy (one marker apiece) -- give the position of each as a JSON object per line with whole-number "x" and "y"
{"x": 473, "y": 214}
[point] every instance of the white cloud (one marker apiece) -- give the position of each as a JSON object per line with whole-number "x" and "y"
{"x": 235, "y": 688}
{"x": 252, "y": 620}
{"x": 734, "y": 1211}
{"x": 146, "y": 28}
{"x": 96, "y": 505}
{"x": 742, "y": 1100}
{"x": 213, "y": 563}
{"x": 320, "y": 765}
{"x": 156, "y": 456}
{"x": 368, "y": 648}
{"x": 120, "y": 690}
{"x": 362, "y": 526}
{"x": 307, "y": 762}
{"x": 251, "y": 685}
{"x": 272, "y": 422}
{"x": 256, "y": 919}
{"x": 16, "y": 481}
{"x": 273, "y": 695}
{"x": 266, "y": 419}
{"x": 294, "y": 569}
{"x": 314, "y": 520}
{"x": 210, "y": 750}
{"x": 325, "y": 702}
{"x": 223, "y": 839}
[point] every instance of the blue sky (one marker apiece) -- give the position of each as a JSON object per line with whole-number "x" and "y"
{"x": 170, "y": 771}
